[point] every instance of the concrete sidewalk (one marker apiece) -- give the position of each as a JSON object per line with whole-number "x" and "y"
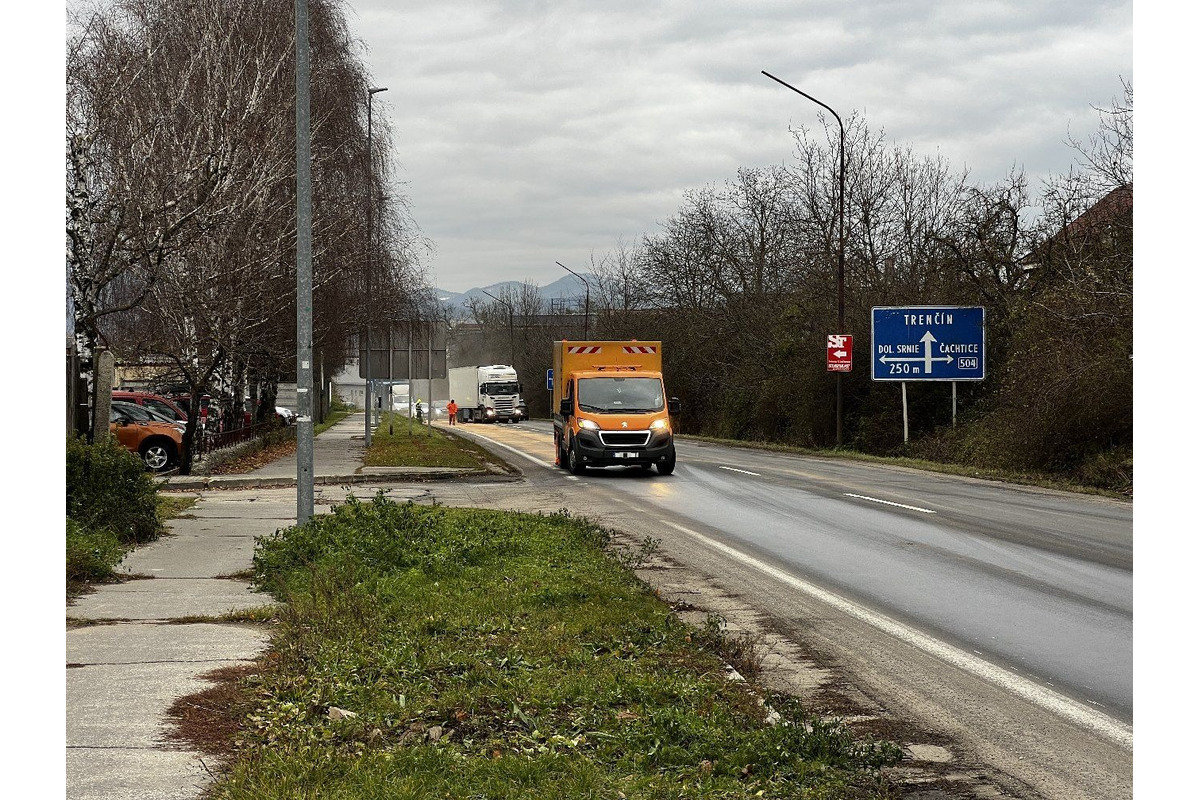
{"x": 122, "y": 677}
{"x": 136, "y": 647}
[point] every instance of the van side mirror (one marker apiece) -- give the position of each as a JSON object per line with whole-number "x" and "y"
{"x": 674, "y": 406}
{"x": 565, "y": 406}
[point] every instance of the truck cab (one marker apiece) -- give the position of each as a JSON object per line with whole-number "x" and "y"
{"x": 487, "y": 393}
{"x": 611, "y": 408}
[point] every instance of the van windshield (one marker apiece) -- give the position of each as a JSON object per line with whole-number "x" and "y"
{"x": 620, "y": 395}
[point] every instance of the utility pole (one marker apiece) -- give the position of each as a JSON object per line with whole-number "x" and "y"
{"x": 304, "y": 405}
{"x": 371, "y": 92}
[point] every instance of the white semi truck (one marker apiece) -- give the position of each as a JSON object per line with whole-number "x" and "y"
{"x": 487, "y": 394}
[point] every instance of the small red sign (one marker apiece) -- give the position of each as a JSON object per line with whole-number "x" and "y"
{"x": 839, "y": 352}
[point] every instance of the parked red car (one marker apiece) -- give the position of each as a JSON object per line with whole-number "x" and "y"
{"x": 153, "y": 402}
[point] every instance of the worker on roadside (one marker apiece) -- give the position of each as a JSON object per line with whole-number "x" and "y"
{"x": 420, "y": 419}
{"x": 452, "y": 410}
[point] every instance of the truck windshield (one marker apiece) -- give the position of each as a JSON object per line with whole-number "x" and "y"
{"x": 620, "y": 395}
{"x": 499, "y": 388}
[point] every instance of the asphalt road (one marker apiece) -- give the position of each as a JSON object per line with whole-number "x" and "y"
{"x": 998, "y": 617}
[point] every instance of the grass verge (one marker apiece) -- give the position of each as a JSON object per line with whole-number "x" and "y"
{"x": 1039, "y": 480}
{"x": 402, "y": 442}
{"x": 433, "y": 652}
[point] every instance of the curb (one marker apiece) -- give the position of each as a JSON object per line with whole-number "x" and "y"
{"x": 400, "y": 475}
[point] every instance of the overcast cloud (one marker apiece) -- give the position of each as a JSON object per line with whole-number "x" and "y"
{"x": 530, "y": 132}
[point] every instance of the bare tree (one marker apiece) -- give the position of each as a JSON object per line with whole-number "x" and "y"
{"x": 221, "y": 306}
{"x": 128, "y": 208}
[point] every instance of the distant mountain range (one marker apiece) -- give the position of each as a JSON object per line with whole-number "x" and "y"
{"x": 566, "y": 286}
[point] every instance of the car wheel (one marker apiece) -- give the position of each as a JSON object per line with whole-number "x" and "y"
{"x": 157, "y": 455}
{"x": 574, "y": 459}
{"x": 667, "y": 466}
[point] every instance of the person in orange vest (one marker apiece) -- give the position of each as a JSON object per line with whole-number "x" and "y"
{"x": 452, "y": 411}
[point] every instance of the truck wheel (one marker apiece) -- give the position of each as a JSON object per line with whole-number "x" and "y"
{"x": 668, "y": 466}
{"x": 574, "y": 460}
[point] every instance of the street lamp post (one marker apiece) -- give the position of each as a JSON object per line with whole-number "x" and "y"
{"x": 841, "y": 271}
{"x": 587, "y": 298}
{"x": 371, "y": 92}
{"x": 512, "y": 350}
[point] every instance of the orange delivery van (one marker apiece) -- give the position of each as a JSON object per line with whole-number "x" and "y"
{"x": 610, "y": 407}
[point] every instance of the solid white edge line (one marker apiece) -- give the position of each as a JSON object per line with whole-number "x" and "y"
{"x": 743, "y": 471}
{"x": 534, "y": 459}
{"x": 1111, "y": 729}
{"x": 890, "y": 503}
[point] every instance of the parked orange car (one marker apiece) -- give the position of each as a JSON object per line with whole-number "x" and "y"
{"x": 158, "y": 444}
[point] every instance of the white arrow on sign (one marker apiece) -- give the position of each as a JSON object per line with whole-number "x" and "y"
{"x": 928, "y": 339}
{"x": 839, "y": 353}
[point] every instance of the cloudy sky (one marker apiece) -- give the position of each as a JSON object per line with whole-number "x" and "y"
{"x": 529, "y": 132}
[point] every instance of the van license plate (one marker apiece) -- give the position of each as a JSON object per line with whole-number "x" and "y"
{"x": 626, "y": 454}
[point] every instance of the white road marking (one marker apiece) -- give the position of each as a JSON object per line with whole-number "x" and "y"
{"x": 1111, "y": 729}
{"x": 534, "y": 459}
{"x": 743, "y": 471}
{"x": 890, "y": 503}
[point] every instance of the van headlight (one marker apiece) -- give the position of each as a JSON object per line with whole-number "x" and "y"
{"x": 588, "y": 425}
{"x": 658, "y": 425}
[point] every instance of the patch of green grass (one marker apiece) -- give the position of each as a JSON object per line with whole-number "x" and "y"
{"x": 495, "y": 655}
{"x": 401, "y": 442}
{"x": 173, "y": 506}
{"x": 254, "y": 614}
{"x": 92, "y": 553}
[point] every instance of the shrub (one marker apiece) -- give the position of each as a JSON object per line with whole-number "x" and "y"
{"x": 91, "y": 554}
{"x": 108, "y": 488}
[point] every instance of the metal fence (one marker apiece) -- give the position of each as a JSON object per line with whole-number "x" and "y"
{"x": 218, "y": 441}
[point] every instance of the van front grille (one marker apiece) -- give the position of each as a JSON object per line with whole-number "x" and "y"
{"x": 624, "y": 438}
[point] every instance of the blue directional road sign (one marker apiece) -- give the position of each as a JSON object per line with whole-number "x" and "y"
{"x": 549, "y": 380}
{"x": 927, "y": 343}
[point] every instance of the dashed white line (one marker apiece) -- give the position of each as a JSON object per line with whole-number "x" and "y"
{"x": 890, "y": 503}
{"x": 1113, "y": 730}
{"x": 743, "y": 471}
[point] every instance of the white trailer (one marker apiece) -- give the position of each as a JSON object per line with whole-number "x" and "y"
{"x": 487, "y": 393}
